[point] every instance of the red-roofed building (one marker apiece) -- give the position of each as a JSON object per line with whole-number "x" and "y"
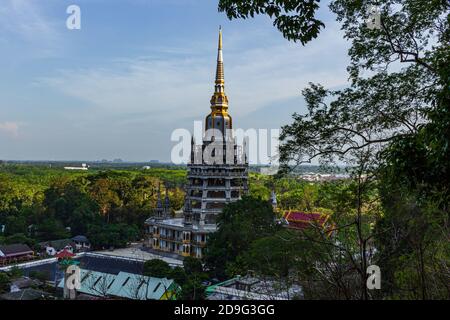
{"x": 64, "y": 254}
{"x": 301, "y": 220}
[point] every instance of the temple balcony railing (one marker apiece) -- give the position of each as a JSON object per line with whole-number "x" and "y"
{"x": 209, "y": 199}
{"x": 218, "y": 188}
{"x": 217, "y": 174}
{"x": 199, "y": 243}
{"x": 170, "y": 238}
{"x": 211, "y": 210}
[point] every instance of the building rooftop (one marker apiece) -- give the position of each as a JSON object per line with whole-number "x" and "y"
{"x": 123, "y": 285}
{"x": 23, "y": 283}
{"x": 11, "y": 250}
{"x": 56, "y": 244}
{"x": 179, "y": 222}
{"x": 26, "y": 294}
{"x": 302, "y": 220}
{"x": 253, "y": 288}
{"x": 80, "y": 238}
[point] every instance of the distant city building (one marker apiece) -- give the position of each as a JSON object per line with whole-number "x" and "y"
{"x": 210, "y": 185}
{"x": 319, "y": 177}
{"x": 146, "y": 167}
{"x": 84, "y": 166}
{"x": 269, "y": 171}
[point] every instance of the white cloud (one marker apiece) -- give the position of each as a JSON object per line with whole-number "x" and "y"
{"x": 10, "y": 128}
{"x": 26, "y": 19}
{"x": 180, "y": 86}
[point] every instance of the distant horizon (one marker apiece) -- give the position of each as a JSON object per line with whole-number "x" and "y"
{"x": 119, "y": 87}
{"x": 142, "y": 162}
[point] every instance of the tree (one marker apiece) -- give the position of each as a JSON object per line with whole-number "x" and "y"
{"x": 392, "y": 122}
{"x": 233, "y": 235}
{"x": 193, "y": 289}
{"x": 192, "y": 265}
{"x": 20, "y": 238}
{"x": 68, "y": 202}
{"x": 15, "y": 224}
{"x": 100, "y": 284}
{"x": 51, "y": 229}
{"x": 157, "y": 268}
{"x": 112, "y": 235}
{"x": 15, "y": 272}
{"x": 4, "y": 282}
{"x": 404, "y": 101}
{"x": 103, "y": 193}
{"x": 40, "y": 275}
{"x": 178, "y": 275}
{"x": 295, "y": 19}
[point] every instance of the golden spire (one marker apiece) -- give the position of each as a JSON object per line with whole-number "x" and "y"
{"x": 219, "y": 101}
{"x": 220, "y": 79}
{"x": 219, "y": 117}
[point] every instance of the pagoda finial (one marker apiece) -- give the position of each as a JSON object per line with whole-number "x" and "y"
{"x": 220, "y": 78}
{"x": 220, "y": 37}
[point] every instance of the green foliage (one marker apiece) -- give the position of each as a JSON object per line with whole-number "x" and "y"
{"x": 274, "y": 255}
{"x": 4, "y": 282}
{"x": 178, "y": 275}
{"x": 295, "y": 19}
{"x": 20, "y": 238}
{"x": 192, "y": 289}
{"x": 233, "y": 237}
{"x": 192, "y": 265}
{"x": 15, "y": 272}
{"x": 51, "y": 228}
{"x": 413, "y": 240}
{"x": 40, "y": 275}
{"x": 110, "y": 206}
{"x": 112, "y": 235}
{"x": 391, "y": 124}
{"x": 15, "y": 224}
{"x": 157, "y": 268}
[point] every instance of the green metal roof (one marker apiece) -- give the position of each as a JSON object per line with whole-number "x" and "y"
{"x": 123, "y": 285}
{"x": 211, "y": 289}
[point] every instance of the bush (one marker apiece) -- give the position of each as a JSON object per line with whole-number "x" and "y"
{"x": 157, "y": 268}
{"x": 4, "y": 282}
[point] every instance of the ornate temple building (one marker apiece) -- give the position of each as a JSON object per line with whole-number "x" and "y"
{"x": 217, "y": 175}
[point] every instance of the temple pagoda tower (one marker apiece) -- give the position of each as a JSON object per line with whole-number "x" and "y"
{"x": 217, "y": 175}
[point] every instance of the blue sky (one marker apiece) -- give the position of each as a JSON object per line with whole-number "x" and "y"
{"x": 138, "y": 69}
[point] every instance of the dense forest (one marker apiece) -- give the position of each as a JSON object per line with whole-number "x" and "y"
{"x": 39, "y": 203}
